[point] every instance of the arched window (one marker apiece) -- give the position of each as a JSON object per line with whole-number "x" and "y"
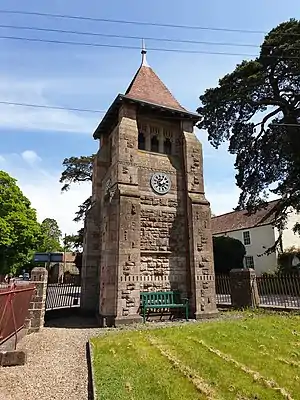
{"x": 141, "y": 141}
{"x": 167, "y": 146}
{"x": 154, "y": 144}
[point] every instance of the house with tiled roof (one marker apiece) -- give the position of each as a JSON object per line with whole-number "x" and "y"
{"x": 258, "y": 233}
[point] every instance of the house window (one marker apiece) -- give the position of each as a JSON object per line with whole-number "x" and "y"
{"x": 246, "y": 238}
{"x": 249, "y": 262}
{"x": 154, "y": 144}
{"x": 141, "y": 141}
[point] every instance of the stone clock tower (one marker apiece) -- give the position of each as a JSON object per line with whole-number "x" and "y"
{"x": 149, "y": 227}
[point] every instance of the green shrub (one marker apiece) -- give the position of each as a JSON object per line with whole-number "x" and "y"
{"x": 285, "y": 261}
{"x": 228, "y": 254}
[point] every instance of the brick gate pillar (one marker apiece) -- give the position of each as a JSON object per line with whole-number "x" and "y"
{"x": 243, "y": 288}
{"x": 35, "y": 320}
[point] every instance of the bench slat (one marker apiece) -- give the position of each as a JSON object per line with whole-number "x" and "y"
{"x": 162, "y": 300}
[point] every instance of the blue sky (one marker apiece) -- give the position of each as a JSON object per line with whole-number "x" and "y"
{"x": 35, "y": 141}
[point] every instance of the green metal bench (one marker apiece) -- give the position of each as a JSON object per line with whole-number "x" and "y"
{"x": 163, "y": 300}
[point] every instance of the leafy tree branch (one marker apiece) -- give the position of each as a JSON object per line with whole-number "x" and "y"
{"x": 78, "y": 170}
{"x": 267, "y": 152}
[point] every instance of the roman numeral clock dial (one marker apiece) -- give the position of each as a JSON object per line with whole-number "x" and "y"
{"x": 160, "y": 183}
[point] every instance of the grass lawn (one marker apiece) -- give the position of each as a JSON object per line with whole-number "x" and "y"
{"x": 256, "y": 357}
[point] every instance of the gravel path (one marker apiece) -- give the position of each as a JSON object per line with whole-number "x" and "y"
{"x": 56, "y": 367}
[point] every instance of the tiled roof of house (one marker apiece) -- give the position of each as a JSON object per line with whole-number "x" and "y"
{"x": 236, "y": 220}
{"x": 147, "y": 86}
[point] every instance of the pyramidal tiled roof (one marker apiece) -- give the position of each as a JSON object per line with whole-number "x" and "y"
{"x": 147, "y": 86}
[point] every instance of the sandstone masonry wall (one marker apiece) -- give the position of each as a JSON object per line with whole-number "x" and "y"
{"x": 141, "y": 241}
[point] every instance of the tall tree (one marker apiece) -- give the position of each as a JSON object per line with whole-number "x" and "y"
{"x": 78, "y": 170}
{"x": 74, "y": 242}
{"x": 257, "y": 109}
{"x": 20, "y": 232}
{"x": 51, "y": 236}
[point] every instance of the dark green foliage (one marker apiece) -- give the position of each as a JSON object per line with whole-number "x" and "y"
{"x": 74, "y": 242}
{"x": 78, "y": 170}
{"x": 228, "y": 254}
{"x": 51, "y": 236}
{"x": 285, "y": 261}
{"x": 83, "y": 209}
{"x": 78, "y": 260}
{"x": 20, "y": 233}
{"x": 256, "y": 108}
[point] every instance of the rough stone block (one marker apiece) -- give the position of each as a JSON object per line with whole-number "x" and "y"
{"x": 12, "y": 358}
{"x": 37, "y": 322}
{"x": 243, "y": 287}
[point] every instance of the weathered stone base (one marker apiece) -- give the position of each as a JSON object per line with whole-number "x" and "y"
{"x": 213, "y": 314}
{"x": 33, "y": 330}
{"x": 12, "y": 358}
{"x": 108, "y": 321}
{"x": 135, "y": 319}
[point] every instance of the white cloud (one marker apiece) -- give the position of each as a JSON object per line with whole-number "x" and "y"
{"x": 223, "y": 197}
{"x": 2, "y": 159}
{"x": 15, "y": 117}
{"x": 30, "y": 157}
{"x": 43, "y": 189}
{"x": 25, "y": 118}
{"x": 46, "y": 197}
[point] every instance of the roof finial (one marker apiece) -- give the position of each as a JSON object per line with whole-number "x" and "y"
{"x": 144, "y": 52}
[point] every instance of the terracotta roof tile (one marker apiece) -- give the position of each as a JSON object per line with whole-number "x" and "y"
{"x": 147, "y": 86}
{"x": 236, "y": 220}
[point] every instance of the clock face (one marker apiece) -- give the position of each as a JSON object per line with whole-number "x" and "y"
{"x": 160, "y": 183}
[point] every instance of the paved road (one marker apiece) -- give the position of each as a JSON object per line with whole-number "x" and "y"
{"x": 60, "y": 296}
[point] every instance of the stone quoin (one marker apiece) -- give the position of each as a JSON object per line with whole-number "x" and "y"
{"x": 149, "y": 227}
